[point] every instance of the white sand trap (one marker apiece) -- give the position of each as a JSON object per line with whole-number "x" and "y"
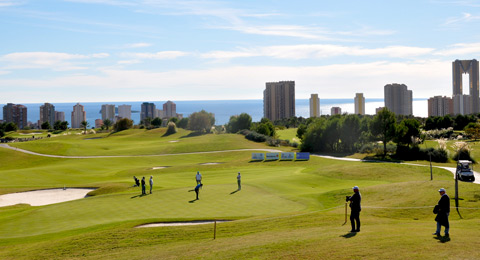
{"x": 174, "y": 141}
{"x": 159, "y": 167}
{"x": 43, "y": 197}
{"x": 210, "y": 163}
{"x": 30, "y": 133}
{"x": 186, "y": 223}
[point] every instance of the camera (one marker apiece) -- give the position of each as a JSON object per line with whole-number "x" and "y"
{"x": 348, "y": 198}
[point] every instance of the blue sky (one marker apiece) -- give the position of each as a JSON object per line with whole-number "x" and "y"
{"x": 118, "y": 50}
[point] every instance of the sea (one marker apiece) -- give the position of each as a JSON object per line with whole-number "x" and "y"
{"x": 222, "y": 109}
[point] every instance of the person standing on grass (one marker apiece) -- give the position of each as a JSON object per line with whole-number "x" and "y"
{"x": 442, "y": 209}
{"x": 198, "y": 178}
{"x": 239, "y": 181}
{"x": 197, "y": 189}
{"x": 151, "y": 184}
{"x": 143, "y": 186}
{"x": 355, "y": 209}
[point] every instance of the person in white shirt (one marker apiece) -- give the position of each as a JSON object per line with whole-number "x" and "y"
{"x": 198, "y": 177}
{"x": 151, "y": 184}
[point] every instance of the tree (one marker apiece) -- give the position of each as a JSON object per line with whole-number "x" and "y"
{"x": 382, "y": 127}
{"x": 183, "y": 123}
{"x": 350, "y": 131}
{"x": 407, "y": 131}
{"x": 157, "y": 122}
{"x": 240, "y": 122}
{"x": 84, "y": 125}
{"x": 123, "y": 124}
{"x": 301, "y": 131}
{"x": 11, "y": 127}
{"x": 107, "y": 123}
{"x": 201, "y": 121}
{"x": 265, "y": 127}
{"x": 473, "y": 130}
{"x": 173, "y": 119}
{"x": 46, "y": 125}
{"x": 147, "y": 122}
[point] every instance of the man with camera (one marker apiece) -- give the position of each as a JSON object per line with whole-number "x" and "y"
{"x": 355, "y": 209}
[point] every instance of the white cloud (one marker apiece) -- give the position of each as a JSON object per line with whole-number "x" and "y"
{"x": 426, "y": 78}
{"x": 162, "y": 55}
{"x": 461, "y": 49}
{"x": 53, "y": 60}
{"x": 138, "y": 45}
{"x": 307, "y": 51}
{"x": 466, "y": 17}
{"x": 6, "y": 3}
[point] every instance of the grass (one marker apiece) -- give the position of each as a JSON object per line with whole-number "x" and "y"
{"x": 137, "y": 142}
{"x": 285, "y": 210}
{"x": 289, "y": 134}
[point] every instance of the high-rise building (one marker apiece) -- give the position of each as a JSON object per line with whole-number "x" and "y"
{"x": 125, "y": 111}
{"x": 59, "y": 116}
{"x": 440, "y": 106}
{"x": 170, "y": 109}
{"x": 160, "y": 113}
{"x": 47, "y": 114}
{"x": 462, "y": 104}
{"x": 108, "y": 112}
{"x": 148, "y": 110}
{"x": 378, "y": 109}
{"x": 459, "y": 68}
{"x": 78, "y": 116}
{"x": 279, "y": 100}
{"x": 335, "y": 111}
{"x": 98, "y": 123}
{"x": 314, "y": 105}
{"x": 398, "y": 99}
{"x": 15, "y": 114}
{"x": 359, "y": 104}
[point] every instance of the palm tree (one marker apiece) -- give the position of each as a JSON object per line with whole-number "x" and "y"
{"x": 84, "y": 124}
{"x": 107, "y": 123}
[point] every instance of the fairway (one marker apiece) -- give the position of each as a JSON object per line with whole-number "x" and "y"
{"x": 286, "y": 209}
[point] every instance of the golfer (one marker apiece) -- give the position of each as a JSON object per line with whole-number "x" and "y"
{"x": 197, "y": 189}
{"x": 355, "y": 209}
{"x": 239, "y": 181}
{"x": 198, "y": 177}
{"x": 143, "y": 186}
{"x": 151, "y": 184}
{"x": 442, "y": 209}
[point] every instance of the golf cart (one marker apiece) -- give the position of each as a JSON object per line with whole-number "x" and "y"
{"x": 464, "y": 172}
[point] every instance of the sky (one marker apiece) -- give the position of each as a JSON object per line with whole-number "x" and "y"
{"x": 147, "y": 50}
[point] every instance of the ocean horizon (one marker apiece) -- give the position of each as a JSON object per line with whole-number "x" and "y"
{"x": 222, "y": 109}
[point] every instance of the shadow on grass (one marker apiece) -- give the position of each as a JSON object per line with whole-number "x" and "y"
{"x": 349, "y": 235}
{"x": 255, "y": 161}
{"x": 192, "y": 201}
{"x": 193, "y": 134}
{"x": 137, "y": 196}
{"x": 233, "y": 192}
{"x": 442, "y": 239}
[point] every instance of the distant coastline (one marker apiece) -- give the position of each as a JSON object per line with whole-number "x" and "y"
{"x": 222, "y": 109}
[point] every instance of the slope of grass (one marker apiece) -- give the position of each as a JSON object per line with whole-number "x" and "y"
{"x": 285, "y": 210}
{"x": 137, "y": 142}
{"x": 289, "y": 134}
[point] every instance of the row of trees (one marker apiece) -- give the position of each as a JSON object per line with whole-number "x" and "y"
{"x": 347, "y": 133}
{"x": 457, "y": 122}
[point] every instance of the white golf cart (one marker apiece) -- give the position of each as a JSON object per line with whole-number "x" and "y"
{"x": 464, "y": 172}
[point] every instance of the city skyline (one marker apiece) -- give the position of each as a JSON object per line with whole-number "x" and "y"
{"x": 66, "y": 51}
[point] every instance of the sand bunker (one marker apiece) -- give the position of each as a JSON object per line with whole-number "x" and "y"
{"x": 174, "y": 141}
{"x": 210, "y": 163}
{"x": 186, "y": 223}
{"x": 43, "y": 197}
{"x": 31, "y": 133}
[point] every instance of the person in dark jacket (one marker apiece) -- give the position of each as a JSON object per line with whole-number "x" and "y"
{"x": 355, "y": 209}
{"x": 143, "y": 186}
{"x": 442, "y": 210}
{"x": 137, "y": 182}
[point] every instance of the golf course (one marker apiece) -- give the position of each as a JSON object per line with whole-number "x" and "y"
{"x": 284, "y": 210}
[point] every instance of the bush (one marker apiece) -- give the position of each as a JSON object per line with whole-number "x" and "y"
{"x": 415, "y": 153}
{"x": 123, "y": 124}
{"x": 171, "y": 128}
